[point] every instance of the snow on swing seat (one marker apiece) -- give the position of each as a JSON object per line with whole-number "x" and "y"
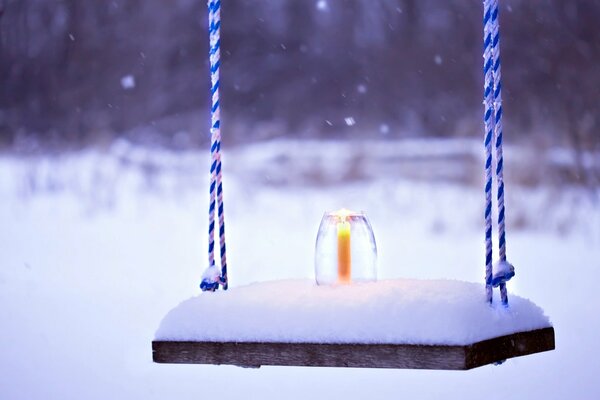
{"x": 434, "y": 324}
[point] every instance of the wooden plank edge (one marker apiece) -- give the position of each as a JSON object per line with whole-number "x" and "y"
{"x": 509, "y": 346}
{"x": 440, "y": 357}
{"x": 254, "y": 355}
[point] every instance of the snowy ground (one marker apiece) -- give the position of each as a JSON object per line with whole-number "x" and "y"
{"x": 98, "y": 246}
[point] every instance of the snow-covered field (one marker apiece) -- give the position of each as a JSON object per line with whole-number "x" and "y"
{"x": 96, "y": 247}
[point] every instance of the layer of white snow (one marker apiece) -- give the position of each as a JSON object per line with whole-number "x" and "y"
{"x": 392, "y": 311}
{"x": 97, "y": 246}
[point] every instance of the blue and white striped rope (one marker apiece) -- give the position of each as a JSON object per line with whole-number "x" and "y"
{"x": 497, "y": 74}
{"x": 495, "y": 275}
{"x": 216, "y": 184}
{"x": 488, "y": 120}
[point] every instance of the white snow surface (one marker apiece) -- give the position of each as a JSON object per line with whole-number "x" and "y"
{"x": 397, "y": 311}
{"x": 97, "y": 246}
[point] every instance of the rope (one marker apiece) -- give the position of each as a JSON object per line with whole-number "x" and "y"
{"x": 489, "y": 132}
{"x": 211, "y": 279}
{"x": 499, "y": 273}
{"x": 497, "y": 74}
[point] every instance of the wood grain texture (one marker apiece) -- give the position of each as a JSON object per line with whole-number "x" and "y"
{"x": 254, "y": 355}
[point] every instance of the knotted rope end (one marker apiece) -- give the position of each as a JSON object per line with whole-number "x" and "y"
{"x": 502, "y": 272}
{"x": 212, "y": 279}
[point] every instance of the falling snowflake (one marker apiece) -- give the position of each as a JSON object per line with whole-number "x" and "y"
{"x": 128, "y": 82}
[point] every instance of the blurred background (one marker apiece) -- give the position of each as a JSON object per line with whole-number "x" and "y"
{"x": 368, "y": 105}
{"x": 76, "y": 73}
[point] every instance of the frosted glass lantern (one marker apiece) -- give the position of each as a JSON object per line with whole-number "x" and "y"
{"x": 345, "y": 249}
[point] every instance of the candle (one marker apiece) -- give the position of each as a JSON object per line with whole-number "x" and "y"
{"x": 344, "y": 249}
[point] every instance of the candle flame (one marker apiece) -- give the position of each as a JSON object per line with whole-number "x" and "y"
{"x": 343, "y": 214}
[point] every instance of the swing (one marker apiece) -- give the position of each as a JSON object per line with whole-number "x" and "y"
{"x": 417, "y": 324}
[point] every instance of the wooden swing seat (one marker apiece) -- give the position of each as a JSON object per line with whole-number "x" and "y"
{"x": 416, "y": 324}
{"x": 355, "y": 355}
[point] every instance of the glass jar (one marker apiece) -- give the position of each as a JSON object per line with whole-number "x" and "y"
{"x": 345, "y": 250}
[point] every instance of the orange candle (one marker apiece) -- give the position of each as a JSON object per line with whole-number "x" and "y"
{"x": 344, "y": 250}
